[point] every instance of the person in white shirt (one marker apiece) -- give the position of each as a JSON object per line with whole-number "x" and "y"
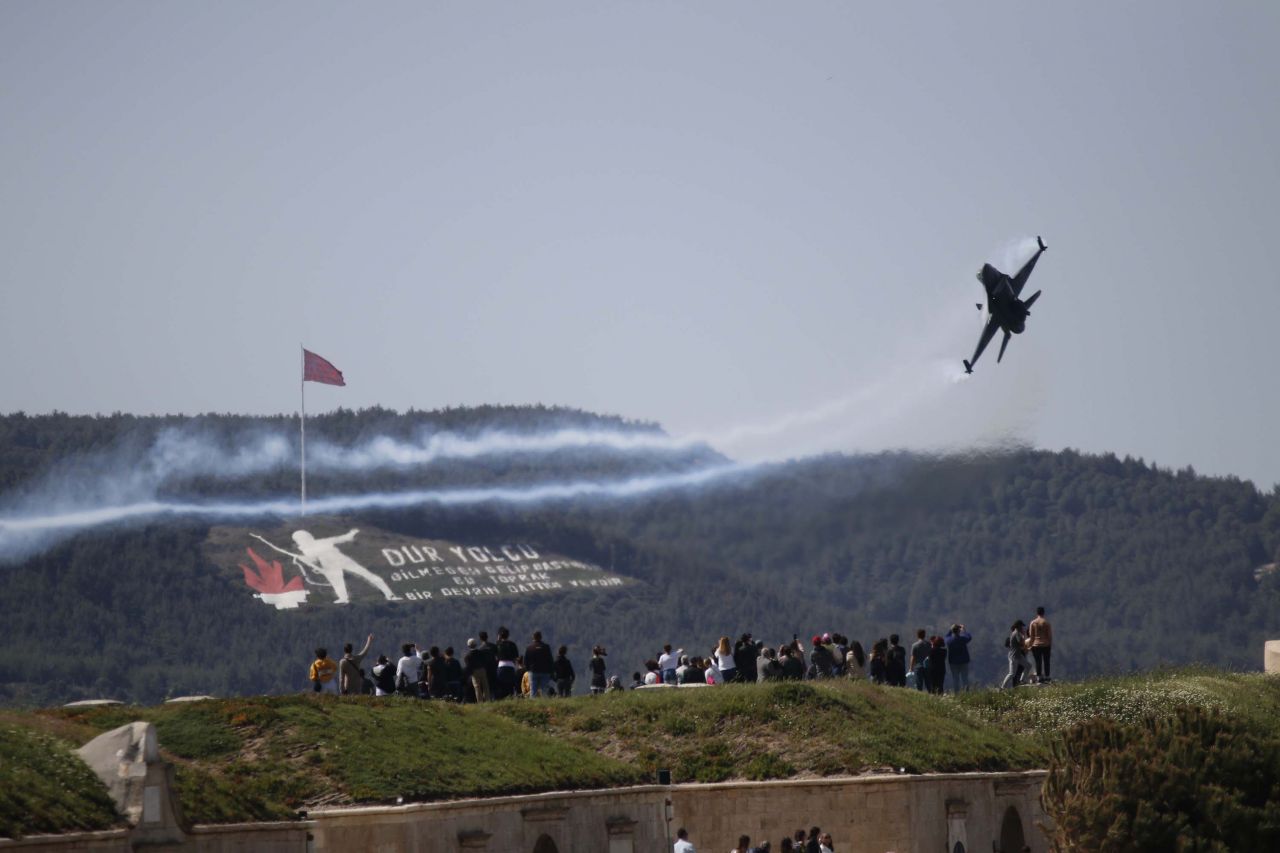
{"x": 682, "y": 842}
{"x": 667, "y": 662}
{"x": 408, "y": 670}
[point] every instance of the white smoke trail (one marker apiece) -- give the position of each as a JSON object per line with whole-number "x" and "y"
{"x": 13, "y": 529}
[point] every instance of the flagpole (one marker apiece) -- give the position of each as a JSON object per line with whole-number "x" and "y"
{"x": 302, "y": 427}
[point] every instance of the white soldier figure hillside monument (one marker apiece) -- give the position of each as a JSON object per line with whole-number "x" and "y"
{"x": 323, "y": 556}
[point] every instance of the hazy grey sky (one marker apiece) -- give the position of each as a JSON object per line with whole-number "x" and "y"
{"x": 707, "y": 214}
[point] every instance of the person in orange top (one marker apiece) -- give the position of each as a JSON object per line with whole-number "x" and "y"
{"x": 1041, "y": 636}
{"x": 323, "y": 668}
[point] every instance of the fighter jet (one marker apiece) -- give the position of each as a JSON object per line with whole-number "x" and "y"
{"x": 1004, "y": 309}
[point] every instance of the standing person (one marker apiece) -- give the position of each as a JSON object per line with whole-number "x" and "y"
{"x": 786, "y": 846}
{"x": 744, "y": 845}
{"x": 792, "y": 666}
{"x": 958, "y": 657}
{"x": 437, "y": 674}
{"x": 508, "y": 681}
{"x": 490, "y": 652}
{"x": 667, "y": 663}
{"x": 597, "y": 667}
{"x": 767, "y": 667}
{"x": 322, "y": 670}
{"x": 350, "y": 675}
{"x": 745, "y": 652}
{"x": 896, "y": 663}
{"x": 475, "y": 667}
{"x": 682, "y": 844}
{"x": 1016, "y": 642}
{"x": 384, "y": 677}
{"x": 937, "y": 664}
{"x": 1041, "y": 644}
{"x": 565, "y": 675}
{"x": 453, "y": 676}
{"x": 920, "y": 655}
{"x": 408, "y": 671}
{"x": 540, "y": 664}
{"x": 878, "y": 665}
{"x": 825, "y": 844}
{"x": 723, "y": 656}
{"x": 820, "y": 660}
{"x": 855, "y": 662}
{"x": 811, "y": 846}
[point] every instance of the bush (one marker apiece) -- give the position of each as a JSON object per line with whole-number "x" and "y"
{"x": 1192, "y": 780}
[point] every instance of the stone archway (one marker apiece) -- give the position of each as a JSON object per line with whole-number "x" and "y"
{"x": 544, "y": 844}
{"x": 1012, "y": 839}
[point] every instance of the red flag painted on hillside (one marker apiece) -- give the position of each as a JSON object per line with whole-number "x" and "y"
{"x": 317, "y": 369}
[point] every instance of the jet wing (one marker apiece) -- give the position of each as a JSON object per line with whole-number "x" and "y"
{"x": 988, "y": 332}
{"x": 1020, "y": 280}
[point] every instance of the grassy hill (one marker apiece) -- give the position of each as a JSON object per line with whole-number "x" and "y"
{"x": 267, "y": 757}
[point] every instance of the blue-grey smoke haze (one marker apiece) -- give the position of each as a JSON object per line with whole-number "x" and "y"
{"x": 702, "y": 214}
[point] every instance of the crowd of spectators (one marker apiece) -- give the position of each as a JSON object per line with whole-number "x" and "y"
{"x": 815, "y": 841}
{"x": 499, "y": 670}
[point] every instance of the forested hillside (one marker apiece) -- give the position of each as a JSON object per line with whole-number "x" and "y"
{"x": 1137, "y": 566}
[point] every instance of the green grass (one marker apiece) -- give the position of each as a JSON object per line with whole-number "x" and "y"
{"x": 780, "y": 730}
{"x": 1044, "y": 711}
{"x": 266, "y": 757}
{"x": 44, "y": 787}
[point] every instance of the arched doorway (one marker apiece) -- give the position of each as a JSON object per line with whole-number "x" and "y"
{"x": 1011, "y": 838}
{"x": 545, "y": 845}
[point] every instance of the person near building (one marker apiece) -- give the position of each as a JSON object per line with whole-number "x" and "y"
{"x": 958, "y": 657}
{"x": 682, "y": 844}
{"x": 1041, "y": 635}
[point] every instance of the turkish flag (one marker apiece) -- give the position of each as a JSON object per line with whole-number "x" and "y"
{"x": 317, "y": 369}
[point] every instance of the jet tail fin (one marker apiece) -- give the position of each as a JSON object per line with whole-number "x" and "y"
{"x": 1032, "y": 300}
{"x": 968, "y": 368}
{"x": 1041, "y": 242}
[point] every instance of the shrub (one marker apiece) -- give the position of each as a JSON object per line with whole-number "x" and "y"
{"x": 1192, "y": 779}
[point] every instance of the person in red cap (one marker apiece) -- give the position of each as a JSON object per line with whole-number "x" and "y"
{"x": 820, "y": 660}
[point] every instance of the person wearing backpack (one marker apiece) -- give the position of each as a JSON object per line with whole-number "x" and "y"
{"x": 384, "y": 677}
{"x": 323, "y": 668}
{"x": 408, "y": 671}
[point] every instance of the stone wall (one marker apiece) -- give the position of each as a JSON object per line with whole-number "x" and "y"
{"x": 624, "y": 820}
{"x": 1271, "y": 656}
{"x": 872, "y": 814}
{"x": 865, "y": 814}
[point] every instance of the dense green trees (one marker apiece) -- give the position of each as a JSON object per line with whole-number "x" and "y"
{"x": 1137, "y": 566}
